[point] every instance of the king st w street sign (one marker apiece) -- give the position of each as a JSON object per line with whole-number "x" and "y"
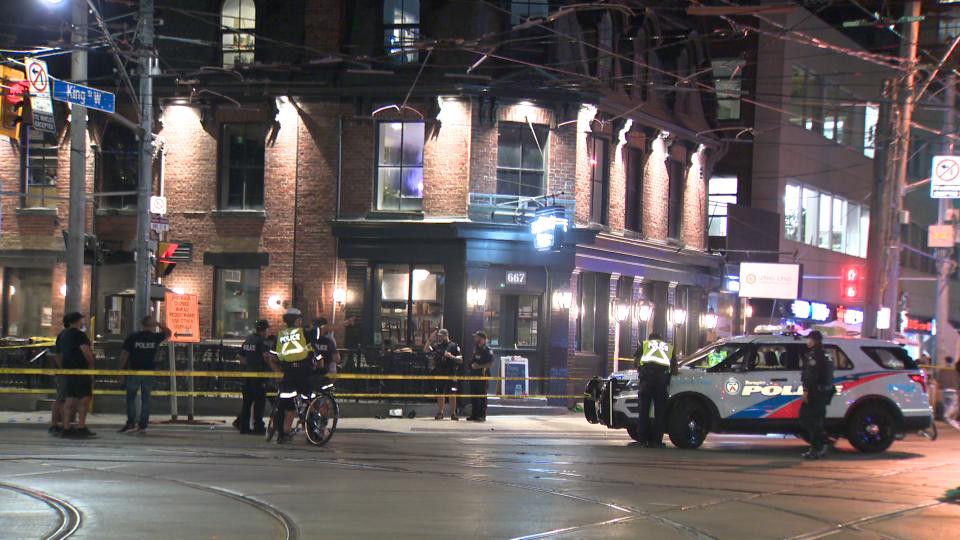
{"x": 85, "y": 96}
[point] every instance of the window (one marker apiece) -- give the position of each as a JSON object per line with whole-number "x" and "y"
{"x": 528, "y": 317}
{"x": 238, "y": 19}
{"x": 871, "y": 115}
{"x": 400, "y": 166}
{"x": 675, "y": 203}
{"x": 586, "y": 321}
{"x": 890, "y": 357}
{"x": 29, "y": 310}
{"x": 821, "y": 106}
{"x": 40, "y": 173}
{"x": 520, "y": 159}
{"x": 839, "y": 358}
{"x": 521, "y": 10}
{"x": 949, "y": 27}
{"x": 824, "y": 220}
{"x": 401, "y": 29}
{"x": 634, "y": 210}
{"x": 491, "y": 320}
{"x": 599, "y": 181}
{"x": 409, "y": 307}
{"x": 118, "y": 168}
{"x": 241, "y": 166}
{"x": 722, "y": 191}
{"x": 728, "y": 79}
{"x": 728, "y": 357}
{"x": 237, "y": 303}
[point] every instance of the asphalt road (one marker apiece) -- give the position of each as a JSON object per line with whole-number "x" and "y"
{"x": 508, "y": 478}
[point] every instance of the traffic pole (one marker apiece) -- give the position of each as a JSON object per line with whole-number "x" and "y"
{"x": 147, "y": 68}
{"x": 944, "y": 263}
{"x": 77, "y": 221}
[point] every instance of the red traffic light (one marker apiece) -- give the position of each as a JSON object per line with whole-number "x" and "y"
{"x": 850, "y": 279}
{"x": 17, "y": 91}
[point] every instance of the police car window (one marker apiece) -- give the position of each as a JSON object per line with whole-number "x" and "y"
{"x": 840, "y": 358}
{"x": 721, "y": 358}
{"x": 773, "y": 357}
{"x": 890, "y": 357}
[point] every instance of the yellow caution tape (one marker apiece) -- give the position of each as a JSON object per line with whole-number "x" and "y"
{"x": 268, "y": 375}
{"x": 217, "y": 394}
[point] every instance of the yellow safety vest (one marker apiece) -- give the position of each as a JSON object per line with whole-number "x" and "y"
{"x": 657, "y": 352}
{"x": 292, "y": 345}
{"x": 715, "y": 357}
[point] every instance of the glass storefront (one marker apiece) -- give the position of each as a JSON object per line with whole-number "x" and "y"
{"x": 28, "y": 298}
{"x": 512, "y": 321}
{"x": 408, "y": 303}
{"x": 237, "y": 301}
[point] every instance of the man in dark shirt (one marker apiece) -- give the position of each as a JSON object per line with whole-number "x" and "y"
{"x": 445, "y": 359}
{"x": 256, "y": 357}
{"x": 140, "y": 353}
{"x": 818, "y": 390}
{"x": 479, "y": 367}
{"x": 75, "y": 352}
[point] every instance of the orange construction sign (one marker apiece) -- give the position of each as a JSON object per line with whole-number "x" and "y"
{"x": 183, "y": 317}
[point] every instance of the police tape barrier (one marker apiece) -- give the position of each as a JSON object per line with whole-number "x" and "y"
{"x": 238, "y": 395}
{"x": 35, "y": 345}
{"x": 270, "y": 375}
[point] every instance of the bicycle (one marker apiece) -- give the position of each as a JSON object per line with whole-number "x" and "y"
{"x": 317, "y": 415}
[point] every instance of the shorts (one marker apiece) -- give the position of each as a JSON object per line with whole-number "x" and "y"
{"x": 296, "y": 377}
{"x": 61, "y": 382}
{"x": 78, "y": 386}
{"x": 445, "y": 386}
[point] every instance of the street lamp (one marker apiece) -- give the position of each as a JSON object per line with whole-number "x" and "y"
{"x": 644, "y": 311}
{"x": 679, "y": 316}
{"x": 710, "y": 320}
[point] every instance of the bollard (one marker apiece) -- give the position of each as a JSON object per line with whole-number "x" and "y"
{"x": 190, "y": 409}
{"x": 173, "y": 380}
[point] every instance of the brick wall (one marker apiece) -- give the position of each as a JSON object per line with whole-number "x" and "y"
{"x": 446, "y": 160}
{"x": 656, "y": 192}
{"x": 324, "y": 25}
{"x": 695, "y": 203}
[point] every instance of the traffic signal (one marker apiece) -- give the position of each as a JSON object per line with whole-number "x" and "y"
{"x": 13, "y": 94}
{"x": 164, "y": 264}
{"x": 850, "y": 283}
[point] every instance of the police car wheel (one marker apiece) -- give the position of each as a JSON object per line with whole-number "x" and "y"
{"x": 871, "y": 429}
{"x": 687, "y": 424}
{"x": 634, "y": 430}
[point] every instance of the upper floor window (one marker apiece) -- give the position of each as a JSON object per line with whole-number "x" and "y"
{"x": 826, "y": 108}
{"x": 237, "y": 301}
{"x": 728, "y": 80}
{"x": 241, "y": 166}
{"x": 599, "y": 180}
{"x": 40, "y": 172}
{"x": 238, "y": 21}
{"x": 678, "y": 181}
{"x": 400, "y": 166}
{"x": 521, "y": 10}
{"x": 825, "y": 220}
{"x": 722, "y": 190}
{"x": 117, "y": 169}
{"x": 401, "y": 29}
{"x": 520, "y": 159}
{"x": 634, "y": 210}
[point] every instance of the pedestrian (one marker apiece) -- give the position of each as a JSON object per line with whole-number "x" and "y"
{"x": 947, "y": 383}
{"x": 445, "y": 360}
{"x": 140, "y": 353}
{"x": 654, "y": 358}
{"x": 818, "y": 390}
{"x": 56, "y": 415}
{"x": 76, "y": 353}
{"x": 479, "y": 367}
{"x": 256, "y": 358}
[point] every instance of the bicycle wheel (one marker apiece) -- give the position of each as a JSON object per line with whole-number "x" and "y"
{"x": 272, "y": 424}
{"x": 322, "y": 416}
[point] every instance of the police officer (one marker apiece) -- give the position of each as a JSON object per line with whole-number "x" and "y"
{"x": 256, "y": 358}
{"x": 818, "y": 390}
{"x": 295, "y": 354}
{"x": 326, "y": 347}
{"x": 445, "y": 360}
{"x": 817, "y": 379}
{"x": 654, "y": 358}
{"x": 479, "y": 367}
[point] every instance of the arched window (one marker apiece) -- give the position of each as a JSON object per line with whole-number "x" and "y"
{"x": 238, "y": 18}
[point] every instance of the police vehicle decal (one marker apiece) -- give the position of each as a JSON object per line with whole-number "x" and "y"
{"x": 787, "y": 405}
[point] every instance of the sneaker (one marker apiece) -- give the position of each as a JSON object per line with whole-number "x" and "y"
{"x": 126, "y": 428}
{"x": 439, "y": 416}
{"x": 54, "y": 430}
{"x": 68, "y": 433}
{"x": 823, "y": 452}
{"x": 472, "y": 419}
{"x": 811, "y": 454}
{"x": 140, "y": 431}
{"x": 455, "y": 418}
{"x": 236, "y": 423}
{"x": 85, "y": 433}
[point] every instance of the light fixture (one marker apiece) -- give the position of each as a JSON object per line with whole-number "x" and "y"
{"x": 679, "y": 316}
{"x": 340, "y": 295}
{"x": 748, "y": 311}
{"x": 732, "y": 285}
{"x": 275, "y": 302}
{"x": 476, "y": 296}
{"x": 644, "y": 311}
{"x": 177, "y": 290}
{"x": 621, "y": 311}
{"x": 13, "y": 290}
{"x": 883, "y": 318}
{"x": 562, "y": 299}
{"x": 420, "y": 274}
{"x": 63, "y": 290}
{"x": 52, "y": 2}
{"x": 710, "y": 320}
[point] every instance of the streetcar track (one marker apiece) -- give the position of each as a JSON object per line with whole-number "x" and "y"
{"x": 70, "y": 517}
{"x": 865, "y": 520}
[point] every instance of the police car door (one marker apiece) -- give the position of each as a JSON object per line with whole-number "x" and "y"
{"x": 770, "y": 386}
{"x": 718, "y": 374}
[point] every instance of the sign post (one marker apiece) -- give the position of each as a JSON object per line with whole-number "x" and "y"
{"x": 183, "y": 319}
{"x": 41, "y": 103}
{"x": 945, "y": 177}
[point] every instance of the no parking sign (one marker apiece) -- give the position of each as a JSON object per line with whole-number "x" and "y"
{"x": 945, "y": 177}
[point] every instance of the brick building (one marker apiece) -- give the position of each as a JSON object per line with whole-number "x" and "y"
{"x": 389, "y": 171}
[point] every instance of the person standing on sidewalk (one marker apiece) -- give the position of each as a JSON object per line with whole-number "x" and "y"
{"x": 818, "y": 390}
{"x": 445, "y": 360}
{"x": 655, "y": 358}
{"x": 948, "y": 378}
{"x": 256, "y": 358}
{"x": 140, "y": 353}
{"x": 56, "y": 415}
{"x": 76, "y": 353}
{"x": 479, "y": 367}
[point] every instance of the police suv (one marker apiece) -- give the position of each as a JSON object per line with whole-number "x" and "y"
{"x": 751, "y": 384}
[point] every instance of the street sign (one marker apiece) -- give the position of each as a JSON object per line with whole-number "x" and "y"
{"x": 183, "y": 317}
{"x": 41, "y": 103}
{"x": 84, "y": 96}
{"x": 940, "y": 236}
{"x": 158, "y": 205}
{"x": 159, "y": 224}
{"x": 945, "y": 177}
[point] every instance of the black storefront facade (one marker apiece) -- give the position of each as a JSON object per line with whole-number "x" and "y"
{"x": 407, "y": 279}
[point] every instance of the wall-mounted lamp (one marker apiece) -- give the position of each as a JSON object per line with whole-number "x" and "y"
{"x": 476, "y": 296}
{"x": 644, "y": 311}
{"x": 621, "y": 310}
{"x": 678, "y": 316}
{"x": 275, "y": 302}
{"x": 63, "y": 290}
{"x": 748, "y": 311}
{"x": 710, "y": 320}
{"x": 562, "y": 299}
{"x": 339, "y": 296}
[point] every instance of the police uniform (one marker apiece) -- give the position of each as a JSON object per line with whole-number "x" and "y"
{"x": 817, "y": 379}
{"x": 254, "y": 390}
{"x": 654, "y": 357}
{"x": 445, "y": 366}
{"x": 295, "y": 353}
{"x": 482, "y": 356}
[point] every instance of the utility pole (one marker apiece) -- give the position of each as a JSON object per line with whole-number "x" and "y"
{"x": 906, "y": 98}
{"x": 944, "y": 264}
{"x": 77, "y": 221}
{"x": 880, "y": 202}
{"x": 142, "y": 282}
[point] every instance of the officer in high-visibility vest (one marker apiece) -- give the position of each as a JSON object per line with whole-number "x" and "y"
{"x": 715, "y": 357}
{"x": 654, "y": 363}
{"x": 295, "y": 353}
